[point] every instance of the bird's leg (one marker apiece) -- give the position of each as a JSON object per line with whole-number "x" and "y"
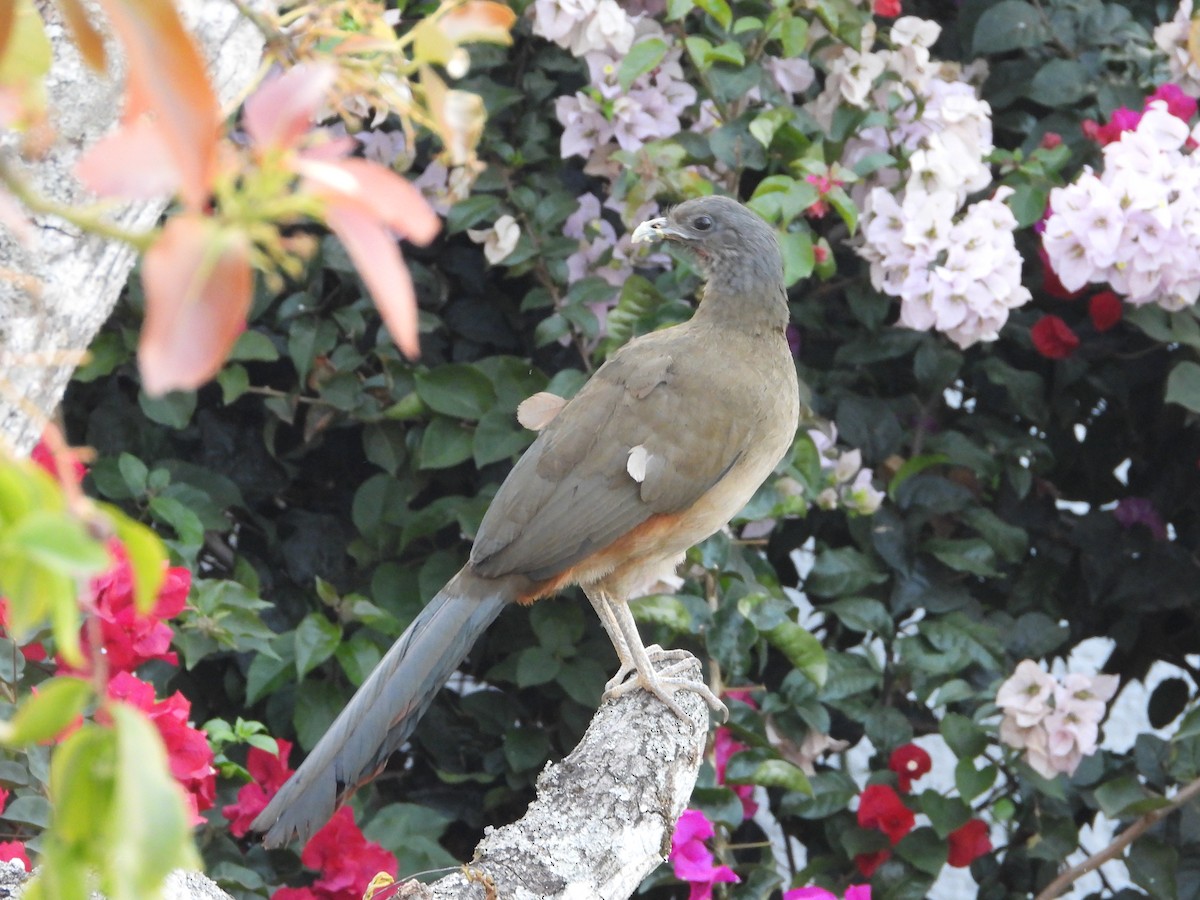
{"x": 604, "y": 612}
{"x": 661, "y": 684}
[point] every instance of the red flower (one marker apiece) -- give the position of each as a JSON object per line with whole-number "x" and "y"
{"x": 968, "y": 843}
{"x": 1105, "y": 309}
{"x": 346, "y": 860}
{"x": 131, "y": 638}
{"x": 1050, "y": 140}
{"x": 1122, "y": 119}
{"x": 188, "y": 753}
{"x": 879, "y": 806}
{"x": 10, "y": 850}
{"x": 269, "y": 772}
{"x": 909, "y": 762}
{"x": 868, "y": 862}
{"x": 1053, "y": 338}
{"x": 43, "y": 456}
{"x": 889, "y": 8}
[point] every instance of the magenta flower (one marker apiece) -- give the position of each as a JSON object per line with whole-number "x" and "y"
{"x": 691, "y": 858}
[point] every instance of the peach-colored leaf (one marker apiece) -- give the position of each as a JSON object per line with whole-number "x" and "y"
{"x": 8, "y": 17}
{"x": 376, "y": 191}
{"x": 198, "y": 288}
{"x": 167, "y": 74}
{"x": 376, "y": 255}
{"x": 84, "y": 33}
{"x": 539, "y": 410}
{"x": 134, "y": 161}
{"x": 282, "y": 110}
{"x": 479, "y": 20}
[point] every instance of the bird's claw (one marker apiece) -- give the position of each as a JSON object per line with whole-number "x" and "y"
{"x": 664, "y": 683}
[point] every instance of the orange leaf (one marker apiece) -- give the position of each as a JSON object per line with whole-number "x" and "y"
{"x": 374, "y": 191}
{"x": 479, "y": 20}
{"x": 167, "y": 74}
{"x": 134, "y": 161}
{"x": 282, "y": 110}
{"x": 84, "y": 33}
{"x": 8, "y": 18}
{"x": 377, "y": 258}
{"x": 198, "y": 288}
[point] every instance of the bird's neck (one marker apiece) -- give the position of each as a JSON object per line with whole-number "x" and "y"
{"x": 758, "y": 308}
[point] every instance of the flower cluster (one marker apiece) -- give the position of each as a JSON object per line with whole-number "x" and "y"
{"x": 345, "y": 860}
{"x": 1056, "y": 723}
{"x": 850, "y": 485}
{"x": 691, "y": 858}
{"x": 957, "y": 272}
{"x": 1172, "y": 39}
{"x": 1136, "y": 225}
{"x": 188, "y": 753}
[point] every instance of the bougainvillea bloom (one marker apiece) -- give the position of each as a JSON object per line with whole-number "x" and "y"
{"x": 43, "y": 456}
{"x": 867, "y": 863}
{"x": 346, "y": 860}
{"x": 854, "y": 892}
{"x": 269, "y": 771}
{"x": 1105, "y": 310}
{"x": 968, "y": 843}
{"x": 888, "y": 8}
{"x": 1053, "y": 338}
{"x": 879, "y": 806}
{"x": 724, "y": 747}
{"x": 10, "y": 850}
{"x": 909, "y": 762}
{"x": 692, "y": 860}
{"x": 188, "y": 753}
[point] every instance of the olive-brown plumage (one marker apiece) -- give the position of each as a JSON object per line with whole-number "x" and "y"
{"x": 660, "y": 448}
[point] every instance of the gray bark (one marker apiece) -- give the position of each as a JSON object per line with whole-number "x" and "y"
{"x": 69, "y": 282}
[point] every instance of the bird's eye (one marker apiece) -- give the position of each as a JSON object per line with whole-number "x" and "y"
{"x": 702, "y": 223}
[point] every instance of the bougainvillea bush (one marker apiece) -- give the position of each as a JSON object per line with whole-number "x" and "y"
{"x": 958, "y": 632}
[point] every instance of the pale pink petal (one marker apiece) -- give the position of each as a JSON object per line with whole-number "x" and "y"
{"x": 378, "y": 193}
{"x": 198, "y": 288}
{"x": 377, "y": 257}
{"x": 134, "y": 162}
{"x": 282, "y": 110}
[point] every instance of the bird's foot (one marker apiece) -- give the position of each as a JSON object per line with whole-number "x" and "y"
{"x": 654, "y": 653}
{"x": 665, "y": 683}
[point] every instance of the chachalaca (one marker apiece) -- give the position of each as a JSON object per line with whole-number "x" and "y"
{"x": 660, "y": 448}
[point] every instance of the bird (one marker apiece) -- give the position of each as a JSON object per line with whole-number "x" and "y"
{"x": 659, "y": 449}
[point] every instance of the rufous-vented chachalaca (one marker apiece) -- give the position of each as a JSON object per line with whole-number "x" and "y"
{"x": 660, "y": 448}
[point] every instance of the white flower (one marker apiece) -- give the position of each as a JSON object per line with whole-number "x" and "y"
{"x": 1172, "y": 38}
{"x": 913, "y": 31}
{"x": 856, "y": 73}
{"x": 498, "y": 241}
{"x": 792, "y": 76}
{"x": 609, "y": 29}
{"x": 1026, "y": 694}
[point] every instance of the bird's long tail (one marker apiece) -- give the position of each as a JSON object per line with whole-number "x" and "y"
{"x": 383, "y": 713}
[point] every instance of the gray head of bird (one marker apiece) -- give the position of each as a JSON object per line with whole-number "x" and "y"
{"x": 735, "y": 250}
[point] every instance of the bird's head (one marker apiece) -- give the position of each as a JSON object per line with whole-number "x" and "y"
{"x": 736, "y": 251}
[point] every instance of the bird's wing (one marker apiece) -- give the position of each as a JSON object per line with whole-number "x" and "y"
{"x": 650, "y": 433}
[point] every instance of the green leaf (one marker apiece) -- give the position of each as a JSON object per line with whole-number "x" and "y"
{"x": 58, "y": 541}
{"x": 914, "y": 466}
{"x": 253, "y": 346}
{"x": 457, "y": 390}
{"x": 316, "y": 639}
{"x": 583, "y": 680}
{"x": 924, "y": 849}
{"x": 863, "y": 614}
{"x": 1060, "y": 82}
{"x": 234, "y": 381}
{"x": 471, "y": 211}
{"x": 173, "y": 410}
{"x": 780, "y": 773}
{"x": 525, "y": 748}
{"x": 1008, "y": 25}
{"x": 135, "y": 472}
{"x": 536, "y": 665}
{"x": 719, "y": 10}
{"x": 149, "y": 832}
{"x": 972, "y": 782}
{"x": 945, "y": 813}
{"x": 971, "y": 555}
{"x": 798, "y": 258}
{"x": 1125, "y": 796}
{"x": 803, "y": 651}
{"x": 1153, "y": 866}
{"x": 642, "y": 57}
{"x": 843, "y": 570}
{"x": 445, "y": 443}
{"x": 1183, "y": 386}
{"x": 964, "y": 737}
{"x": 44, "y": 715}
{"x": 498, "y": 436}
{"x": 147, "y": 557}
{"x": 176, "y": 514}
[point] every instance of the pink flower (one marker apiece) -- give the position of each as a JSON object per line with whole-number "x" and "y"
{"x": 269, "y": 772}
{"x": 44, "y": 457}
{"x": 1026, "y": 694}
{"x": 346, "y": 860}
{"x": 692, "y": 860}
{"x": 1178, "y": 103}
{"x": 10, "y": 850}
{"x": 888, "y": 8}
{"x": 1132, "y": 511}
{"x": 724, "y": 747}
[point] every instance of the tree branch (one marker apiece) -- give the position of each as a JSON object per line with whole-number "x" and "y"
{"x": 1123, "y": 840}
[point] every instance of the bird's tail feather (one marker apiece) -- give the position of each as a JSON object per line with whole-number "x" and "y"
{"x": 383, "y": 713}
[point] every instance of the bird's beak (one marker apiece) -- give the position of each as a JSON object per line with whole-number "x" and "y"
{"x": 652, "y": 230}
